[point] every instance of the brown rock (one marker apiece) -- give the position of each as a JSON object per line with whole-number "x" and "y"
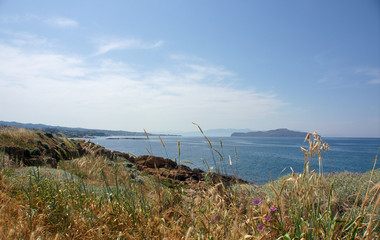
{"x": 117, "y": 154}
{"x": 146, "y": 161}
{"x": 17, "y": 153}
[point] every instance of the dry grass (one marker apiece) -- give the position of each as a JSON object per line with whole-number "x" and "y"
{"x": 109, "y": 201}
{"x": 18, "y": 137}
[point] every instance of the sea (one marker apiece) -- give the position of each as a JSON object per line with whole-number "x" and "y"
{"x": 255, "y": 159}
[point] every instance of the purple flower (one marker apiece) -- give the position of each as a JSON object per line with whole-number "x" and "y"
{"x": 268, "y": 218}
{"x": 257, "y": 201}
{"x": 260, "y": 227}
{"x": 213, "y": 220}
{"x": 273, "y": 209}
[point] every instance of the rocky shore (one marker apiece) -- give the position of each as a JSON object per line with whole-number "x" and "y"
{"x": 49, "y": 149}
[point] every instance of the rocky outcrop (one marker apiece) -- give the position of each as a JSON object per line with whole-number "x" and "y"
{"x": 49, "y": 149}
{"x": 39, "y": 155}
{"x": 146, "y": 161}
{"x": 87, "y": 147}
{"x": 17, "y": 153}
{"x": 167, "y": 169}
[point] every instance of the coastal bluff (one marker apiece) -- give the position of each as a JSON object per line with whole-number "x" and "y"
{"x": 36, "y": 148}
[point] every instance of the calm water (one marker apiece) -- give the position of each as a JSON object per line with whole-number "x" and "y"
{"x": 257, "y": 158}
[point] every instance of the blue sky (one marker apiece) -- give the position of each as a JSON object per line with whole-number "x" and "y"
{"x": 161, "y": 65}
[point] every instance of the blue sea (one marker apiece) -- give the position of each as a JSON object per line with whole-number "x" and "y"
{"x": 255, "y": 159}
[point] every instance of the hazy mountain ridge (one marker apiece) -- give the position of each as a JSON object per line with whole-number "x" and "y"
{"x": 281, "y": 132}
{"x": 74, "y": 132}
{"x": 84, "y": 132}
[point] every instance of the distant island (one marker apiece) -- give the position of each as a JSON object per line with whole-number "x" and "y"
{"x": 281, "y": 132}
{"x": 76, "y": 132}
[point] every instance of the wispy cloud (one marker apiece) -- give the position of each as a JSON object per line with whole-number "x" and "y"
{"x": 184, "y": 57}
{"x": 9, "y": 19}
{"x": 325, "y": 58}
{"x": 350, "y": 77}
{"x": 54, "y": 21}
{"x": 26, "y": 39}
{"x": 62, "y": 22}
{"x": 214, "y": 73}
{"x": 25, "y": 67}
{"x": 374, "y": 81}
{"x": 80, "y": 91}
{"x": 124, "y": 44}
{"x": 372, "y": 73}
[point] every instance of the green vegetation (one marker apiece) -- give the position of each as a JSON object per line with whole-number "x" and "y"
{"x": 90, "y": 196}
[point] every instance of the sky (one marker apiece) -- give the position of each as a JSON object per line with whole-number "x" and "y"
{"x": 160, "y": 65}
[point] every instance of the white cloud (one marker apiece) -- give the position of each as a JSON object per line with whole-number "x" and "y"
{"x": 62, "y": 22}
{"x": 48, "y": 87}
{"x": 22, "y": 66}
{"x": 124, "y": 44}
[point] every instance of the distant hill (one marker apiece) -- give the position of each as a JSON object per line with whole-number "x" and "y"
{"x": 73, "y": 132}
{"x": 282, "y": 132}
{"x": 220, "y": 132}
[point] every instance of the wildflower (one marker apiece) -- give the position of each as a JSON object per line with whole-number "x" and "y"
{"x": 213, "y": 220}
{"x": 260, "y": 227}
{"x": 268, "y": 218}
{"x": 273, "y": 209}
{"x": 257, "y": 201}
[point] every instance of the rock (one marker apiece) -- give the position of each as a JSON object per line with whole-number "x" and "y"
{"x": 17, "y": 153}
{"x": 36, "y": 152}
{"x": 34, "y": 161}
{"x": 51, "y": 161}
{"x": 117, "y": 155}
{"x": 168, "y": 170}
{"x": 146, "y": 161}
{"x": 180, "y": 175}
{"x": 128, "y": 165}
{"x": 104, "y": 152}
{"x": 49, "y": 135}
{"x": 50, "y": 149}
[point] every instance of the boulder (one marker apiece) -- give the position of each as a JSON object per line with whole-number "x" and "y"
{"x": 116, "y": 155}
{"x": 51, "y": 161}
{"x": 146, "y": 161}
{"x": 17, "y": 153}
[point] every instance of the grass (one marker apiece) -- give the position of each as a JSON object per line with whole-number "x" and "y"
{"x": 91, "y": 197}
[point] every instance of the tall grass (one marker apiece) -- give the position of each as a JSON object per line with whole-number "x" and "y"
{"x": 17, "y": 136}
{"x": 2, "y": 157}
{"x": 91, "y": 197}
{"x": 220, "y": 166}
{"x": 307, "y": 204}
